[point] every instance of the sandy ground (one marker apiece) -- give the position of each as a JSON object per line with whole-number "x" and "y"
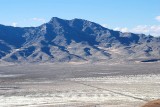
{"x": 154, "y": 103}
{"x": 84, "y": 85}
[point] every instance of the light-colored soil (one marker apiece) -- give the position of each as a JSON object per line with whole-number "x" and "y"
{"x": 78, "y": 85}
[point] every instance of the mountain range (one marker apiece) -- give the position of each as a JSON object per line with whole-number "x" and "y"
{"x": 74, "y": 40}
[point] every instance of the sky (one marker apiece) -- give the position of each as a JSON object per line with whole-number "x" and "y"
{"x": 138, "y": 16}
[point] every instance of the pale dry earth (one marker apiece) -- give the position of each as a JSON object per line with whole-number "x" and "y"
{"x": 79, "y": 85}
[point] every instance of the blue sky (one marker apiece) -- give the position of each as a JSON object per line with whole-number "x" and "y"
{"x": 140, "y": 16}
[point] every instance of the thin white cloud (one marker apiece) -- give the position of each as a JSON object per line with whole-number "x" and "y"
{"x": 141, "y": 29}
{"x": 39, "y": 19}
{"x": 121, "y": 29}
{"x": 158, "y": 18}
{"x": 105, "y": 25}
{"x": 14, "y": 24}
{"x": 153, "y": 30}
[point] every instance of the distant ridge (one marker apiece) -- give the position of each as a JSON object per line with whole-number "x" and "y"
{"x": 74, "y": 40}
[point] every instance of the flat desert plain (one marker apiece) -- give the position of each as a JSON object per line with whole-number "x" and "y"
{"x": 79, "y": 85}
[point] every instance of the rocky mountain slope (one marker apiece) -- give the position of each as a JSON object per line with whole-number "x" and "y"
{"x": 74, "y": 41}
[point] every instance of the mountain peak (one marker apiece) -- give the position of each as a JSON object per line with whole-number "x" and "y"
{"x": 78, "y": 19}
{"x": 55, "y": 19}
{"x": 73, "y": 40}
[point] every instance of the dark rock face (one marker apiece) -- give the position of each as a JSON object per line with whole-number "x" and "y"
{"x": 73, "y": 40}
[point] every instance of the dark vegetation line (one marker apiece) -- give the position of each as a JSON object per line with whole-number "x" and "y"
{"x": 134, "y": 97}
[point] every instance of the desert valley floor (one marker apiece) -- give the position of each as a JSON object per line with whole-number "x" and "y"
{"x": 79, "y": 85}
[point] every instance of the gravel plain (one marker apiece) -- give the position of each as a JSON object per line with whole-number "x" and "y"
{"x": 79, "y": 85}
